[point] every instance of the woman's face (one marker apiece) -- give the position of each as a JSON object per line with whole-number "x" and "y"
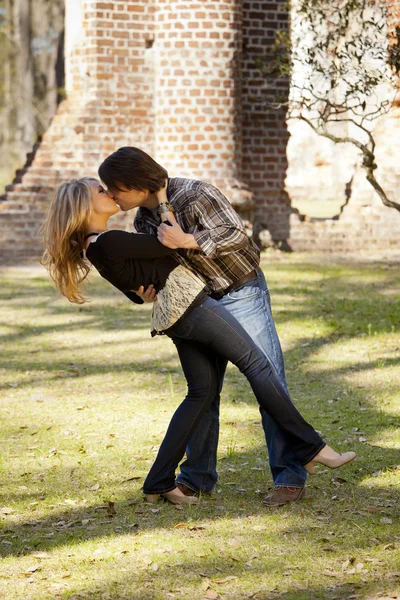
{"x": 102, "y": 204}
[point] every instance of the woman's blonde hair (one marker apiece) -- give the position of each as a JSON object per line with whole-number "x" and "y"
{"x": 64, "y": 232}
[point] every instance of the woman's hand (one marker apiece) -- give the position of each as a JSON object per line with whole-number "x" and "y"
{"x": 147, "y": 296}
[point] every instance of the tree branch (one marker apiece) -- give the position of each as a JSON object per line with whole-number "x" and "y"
{"x": 368, "y": 161}
{"x": 371, "y": 179}
{"x": 336, "y": 139}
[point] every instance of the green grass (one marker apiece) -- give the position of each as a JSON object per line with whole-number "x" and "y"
{"x": 86, "y": 396}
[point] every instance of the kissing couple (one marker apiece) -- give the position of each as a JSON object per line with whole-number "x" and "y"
{"x": 192, "y": 258}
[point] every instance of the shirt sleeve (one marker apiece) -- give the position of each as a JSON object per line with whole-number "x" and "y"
{"x": 123, "y": 244}
{"x": 133, "y": 297}
{"x": 223, "y": 231}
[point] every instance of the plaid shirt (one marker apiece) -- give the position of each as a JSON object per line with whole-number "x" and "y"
{"x": 227, "y": 253}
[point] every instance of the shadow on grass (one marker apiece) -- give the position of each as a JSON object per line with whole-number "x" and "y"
{"x": 147, "y": 585}
{"x": 332, "y": 495}
{"x": 346, "y": 302}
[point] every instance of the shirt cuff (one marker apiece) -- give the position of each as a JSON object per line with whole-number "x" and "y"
{"x": 134, "y": 297}
{"x": 206, "y": 243}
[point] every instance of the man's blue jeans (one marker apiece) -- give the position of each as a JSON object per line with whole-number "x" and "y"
{"x": 250, "y": 305}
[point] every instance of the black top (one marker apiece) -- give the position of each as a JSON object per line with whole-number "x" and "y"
{"x": 129, "y": 260}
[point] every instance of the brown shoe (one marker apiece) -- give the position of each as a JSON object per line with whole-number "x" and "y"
{"x": 186, "y": 489}
{"x": 282, "y": 494}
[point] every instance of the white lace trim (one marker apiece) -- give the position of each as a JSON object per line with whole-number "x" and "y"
{"x": 181, "y": 289}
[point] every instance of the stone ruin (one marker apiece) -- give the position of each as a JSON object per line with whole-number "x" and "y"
{"x": 181, "y": 80}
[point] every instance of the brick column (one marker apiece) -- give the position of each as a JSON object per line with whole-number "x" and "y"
{"x": 265, "y": 132}
{"x": 198, "y": 92}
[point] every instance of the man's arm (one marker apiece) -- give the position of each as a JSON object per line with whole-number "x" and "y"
{"x": 222, "y": 230}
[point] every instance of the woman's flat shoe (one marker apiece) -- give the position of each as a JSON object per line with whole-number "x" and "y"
{"x": 333, "y": 462}
{"x": 174, "y": 496}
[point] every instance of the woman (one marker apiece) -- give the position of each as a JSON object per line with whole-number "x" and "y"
{"x": 75, "y": 228}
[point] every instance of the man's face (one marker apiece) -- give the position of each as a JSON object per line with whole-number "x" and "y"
{"x": 127, "y": 199}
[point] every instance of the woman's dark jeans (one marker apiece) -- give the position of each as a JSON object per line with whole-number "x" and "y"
{"x": 204, "y": 331}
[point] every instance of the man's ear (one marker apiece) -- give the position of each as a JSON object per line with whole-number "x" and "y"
{"x": 163, "y": 185}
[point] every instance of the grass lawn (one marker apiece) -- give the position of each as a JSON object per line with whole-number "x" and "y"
{"x": 86, "y": 395}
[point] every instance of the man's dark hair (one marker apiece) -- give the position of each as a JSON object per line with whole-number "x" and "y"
{"x": 133, "y": 169}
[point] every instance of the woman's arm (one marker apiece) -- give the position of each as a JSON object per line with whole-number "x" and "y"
{"x": 123, "y": 244}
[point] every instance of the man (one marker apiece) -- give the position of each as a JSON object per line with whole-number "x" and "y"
{"x": 211, "y": 239}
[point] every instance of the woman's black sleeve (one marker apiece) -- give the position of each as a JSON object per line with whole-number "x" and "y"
{"x": 123, "y": 244}
{"x": 133, "y": 297}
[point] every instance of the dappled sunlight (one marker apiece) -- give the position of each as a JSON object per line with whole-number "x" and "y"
{"x": 86, "y": 396}
{"x": 7, "y": 330}
{"x": 389, "y": 439}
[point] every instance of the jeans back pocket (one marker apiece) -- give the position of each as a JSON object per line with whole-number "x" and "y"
{"x": 182, "y": 328}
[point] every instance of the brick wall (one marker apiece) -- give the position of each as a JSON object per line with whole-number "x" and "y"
{"x": 109, "y": 82}
{"x": 180, "y": 79}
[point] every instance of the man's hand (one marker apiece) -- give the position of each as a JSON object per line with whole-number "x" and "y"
{"x": 173, "y": 236}
{"x": 147, "y": 296}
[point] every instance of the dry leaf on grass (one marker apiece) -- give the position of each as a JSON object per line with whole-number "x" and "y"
{"x": 31, "y": 570}
{"x": 134, "y": 478}
{"x": 6, "y": 510}
{"x": 206, "y": 583}
{"x": 225, "y": 579}
{"x": 210, "y": 595}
